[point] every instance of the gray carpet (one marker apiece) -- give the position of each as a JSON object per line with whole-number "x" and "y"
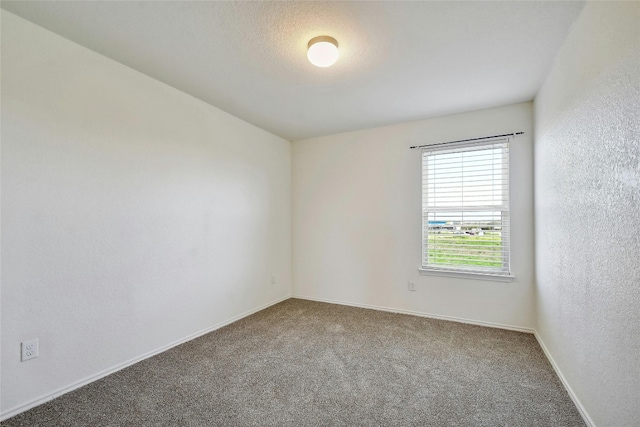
{"x": 303, "y": 363}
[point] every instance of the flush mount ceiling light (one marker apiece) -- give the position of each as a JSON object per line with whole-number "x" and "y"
{"x": 323, "y": 51}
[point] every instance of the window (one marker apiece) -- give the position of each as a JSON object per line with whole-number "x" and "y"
{"x": 465, "y": 207}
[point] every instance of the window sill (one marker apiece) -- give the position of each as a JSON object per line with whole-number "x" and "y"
{"x": 467, "y": 275}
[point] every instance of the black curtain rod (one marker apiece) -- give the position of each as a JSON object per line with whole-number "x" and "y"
{"x": 470, "y": 139}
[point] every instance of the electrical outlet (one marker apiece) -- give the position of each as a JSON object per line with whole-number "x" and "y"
{"x": 412, "y": 286}
{"x": 29, "y": 349}
{"x": 273, "y": 279}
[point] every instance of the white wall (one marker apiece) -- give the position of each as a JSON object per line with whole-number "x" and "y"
{"x": 587, "y": 209}
{"x": 133, "y": 215}
{"x": 356, "y": 222}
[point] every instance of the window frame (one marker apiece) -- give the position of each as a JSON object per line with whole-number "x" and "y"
{"x": 504, "y": 275}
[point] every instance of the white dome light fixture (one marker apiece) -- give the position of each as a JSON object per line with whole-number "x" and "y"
{"x": 323, "y": 51}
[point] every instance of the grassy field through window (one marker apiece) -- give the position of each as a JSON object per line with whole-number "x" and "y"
{"x": 464, "y": 249}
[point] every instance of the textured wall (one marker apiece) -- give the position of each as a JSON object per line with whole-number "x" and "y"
{"x": 587, "y": 208}
{"x": 356, "y": 220}
{"x": 133, "y": 215}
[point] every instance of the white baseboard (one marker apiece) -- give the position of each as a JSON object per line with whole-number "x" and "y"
{"x": 420, "y": 314}
{"x": 63, "y": 390}
{"x": 583, "y": 412}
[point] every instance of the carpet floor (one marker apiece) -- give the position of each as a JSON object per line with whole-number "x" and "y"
{"x": 304, "y": 363}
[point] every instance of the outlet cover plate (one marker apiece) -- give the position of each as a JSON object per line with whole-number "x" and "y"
{"x": 29, "y": 349}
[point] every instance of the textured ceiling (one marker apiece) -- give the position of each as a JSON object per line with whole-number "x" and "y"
{"x": 399, "y": 61}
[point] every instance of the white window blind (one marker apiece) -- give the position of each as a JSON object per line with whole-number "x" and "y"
{"x": 465, "y": 207}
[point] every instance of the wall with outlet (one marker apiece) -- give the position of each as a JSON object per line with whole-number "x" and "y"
{"x": 356, "y": 222}
{"x": 133, "y": 215}
{"x": 587, "y": 208}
